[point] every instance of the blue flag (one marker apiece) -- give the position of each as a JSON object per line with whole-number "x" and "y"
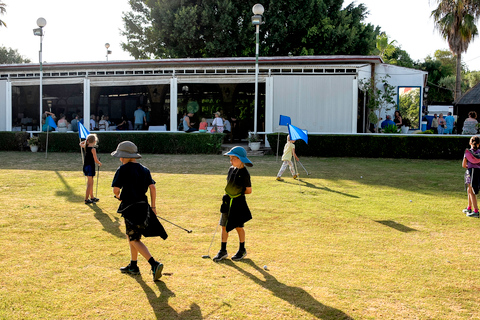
{"x": 51, "y": 122}
{"x": 284, "y": 121}
{"x": 297, "y": 133}
{"x": 82, "y": 131}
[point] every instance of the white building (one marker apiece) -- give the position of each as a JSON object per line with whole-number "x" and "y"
{"x": 320, "y": 93}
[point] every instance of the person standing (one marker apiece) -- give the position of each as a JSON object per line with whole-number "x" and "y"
{"x": 140, "y": 118}
{"x": 288, "y": 152}
{"x": 434, "y": 125}
{"x": 441, "y": 124}
{"x": 472, "y": 176}
{"x": 89, "y": 161}
{"x": 450, "y": 120}
{"x": 398, "y": 119}
{"x": 130, "y": 184}
{"x": 235, "y": 211}
{"x": 470, "y": 124}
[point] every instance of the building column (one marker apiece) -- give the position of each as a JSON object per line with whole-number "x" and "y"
{"x": 173, "y": 104}
{"x": 86, "y": 103}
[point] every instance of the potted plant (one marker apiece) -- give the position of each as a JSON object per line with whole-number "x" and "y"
{"x": 253, "y": 141}
{"x": 33, "y": 142}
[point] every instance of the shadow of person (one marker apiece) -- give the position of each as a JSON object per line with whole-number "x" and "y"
{"x": 160, "y": 305}
{"x": 312, "y": 186}
{"x": 110, "y": 226}
{"x": 296, "y": 296}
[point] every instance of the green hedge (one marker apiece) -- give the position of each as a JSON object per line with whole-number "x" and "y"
{"x": 411, "y": 146}
{"x": 151, "y": 142}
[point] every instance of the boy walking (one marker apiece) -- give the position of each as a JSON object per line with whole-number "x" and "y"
{"x": 288, "y": 152}
{"x": 133, "y": 180}
{"x": 235, "y": 211}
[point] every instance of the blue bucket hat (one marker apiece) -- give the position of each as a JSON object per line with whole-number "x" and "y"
{"x": 241, "y": 154}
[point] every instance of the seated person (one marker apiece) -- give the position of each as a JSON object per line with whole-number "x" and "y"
{"x": 103, "y": 124}
{"x": 187, "y": 125}
{"x": 203, "y": 125}
{"x": 62, "y": 123}
{"x": 388, "y": 121}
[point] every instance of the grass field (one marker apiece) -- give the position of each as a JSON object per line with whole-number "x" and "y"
{"x": 391, "y": 245}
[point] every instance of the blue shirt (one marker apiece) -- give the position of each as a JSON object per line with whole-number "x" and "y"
{"x": 450, "y": 121}
{"x": 139, "y": 114}
{"x": 387, "y": 122}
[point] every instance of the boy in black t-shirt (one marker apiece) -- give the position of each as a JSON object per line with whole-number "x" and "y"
{"x": 133, "y": 180}
{"x": 235, "y": 211}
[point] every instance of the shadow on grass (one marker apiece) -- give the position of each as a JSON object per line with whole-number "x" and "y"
{"x": 110, "y": 226}
{"x": 395, "y": 225}
{"x": 311, "y": 185}
{"x": 296, "y": 296}
{"x": 68, "y": 193}
{"x": 160, "y": 304}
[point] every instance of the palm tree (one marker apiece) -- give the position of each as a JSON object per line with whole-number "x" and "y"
{"x": 2, "y": 11}
{"x": 455, "y": 20}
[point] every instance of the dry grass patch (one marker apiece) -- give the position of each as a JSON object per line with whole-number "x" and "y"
{"x": 336, "y": 246}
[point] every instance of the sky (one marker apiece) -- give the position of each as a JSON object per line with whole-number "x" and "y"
{"x": 78, "y": 30}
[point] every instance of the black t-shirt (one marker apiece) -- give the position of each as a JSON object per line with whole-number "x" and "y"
{"x": 89, "y": 161}
{"x": 133, "y": 179}
{"x": 237, "y": 181}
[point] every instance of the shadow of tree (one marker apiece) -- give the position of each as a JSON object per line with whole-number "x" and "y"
{"x": 296, "y": 296}
{"x": 160, "y": 305}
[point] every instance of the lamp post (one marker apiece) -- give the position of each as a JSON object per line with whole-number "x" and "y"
{"x": 107, "y": 45}
{"x": 41, "y": 22}
{"x": 256, "y": 21}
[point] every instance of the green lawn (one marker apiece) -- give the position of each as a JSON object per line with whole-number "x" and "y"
{"x": 391, "y": 245}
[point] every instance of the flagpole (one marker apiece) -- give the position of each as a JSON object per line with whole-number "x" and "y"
{"x": 46, "y": 148}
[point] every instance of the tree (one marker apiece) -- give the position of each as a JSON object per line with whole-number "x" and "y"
{"x": 378, "y": 99}
{"x": 455, "y": 20}
{"x": 2, "y": 11}
{"x": 222, "y": 28}
{"x": 391, "y": 53}
{"x": 11, "y": 56}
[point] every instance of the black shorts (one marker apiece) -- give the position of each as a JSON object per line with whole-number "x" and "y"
{"x": 132, "y": 231}
{"x": 89, "y": 171}
{"x": 474, "y": 179}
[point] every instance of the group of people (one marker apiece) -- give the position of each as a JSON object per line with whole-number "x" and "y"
{"x": 220, "y": 124}
{"x": 443, "y": 125}
{"x": 130, "y": 184}
{"x": 62, "y": 123}
{"x": 397, "y": 121}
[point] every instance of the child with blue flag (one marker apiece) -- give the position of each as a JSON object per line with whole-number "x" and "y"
{"x": 288, "y": 152}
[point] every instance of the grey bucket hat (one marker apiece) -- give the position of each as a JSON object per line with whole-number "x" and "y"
{"x": 126, "y": 149}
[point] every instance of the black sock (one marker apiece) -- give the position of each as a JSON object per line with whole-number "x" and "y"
{"x": 152, "y": 262}
{"x": 242, "y": 246}
{"x": 133, "y": 263}
{"x": 224, "y": 246}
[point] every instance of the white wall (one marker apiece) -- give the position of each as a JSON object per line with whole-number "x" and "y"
{"x": 319, "y": 104}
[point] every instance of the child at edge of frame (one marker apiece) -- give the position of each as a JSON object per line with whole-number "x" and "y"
{"x": 234, "y": 209}
{"x": 288, "y": 152}
{"x": 471, "y": 162}
{"x": 133, "y": 180}
{"x": 90, "y": 145}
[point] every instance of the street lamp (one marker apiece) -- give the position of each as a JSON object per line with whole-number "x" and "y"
{"x": 256, "y": 21}
{"x": 41, "y": 22}
{"x": 107, "y": 45}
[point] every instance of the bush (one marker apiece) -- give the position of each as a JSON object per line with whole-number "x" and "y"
{"x": 151, "y": 142}
{"x": 410, "y": 146}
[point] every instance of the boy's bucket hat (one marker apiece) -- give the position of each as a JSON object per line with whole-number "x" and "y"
{"x": 126, "y": 149}
{"x": 241, "y": 154}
